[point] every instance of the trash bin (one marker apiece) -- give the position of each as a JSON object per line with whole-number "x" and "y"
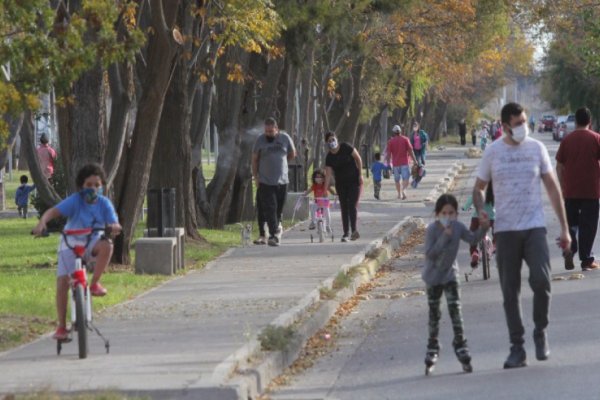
{"x": 296, "y": 178}
{"x": 161, "y": 211}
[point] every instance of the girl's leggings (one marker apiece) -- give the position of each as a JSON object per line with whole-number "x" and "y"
{"x": 313, "y": 212}
{"x": 434, "y": 295}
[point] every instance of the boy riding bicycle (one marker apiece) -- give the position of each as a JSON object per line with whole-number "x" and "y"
{"x": 87, "y": 208}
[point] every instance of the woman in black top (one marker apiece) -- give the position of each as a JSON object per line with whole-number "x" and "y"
{"x": 345, "y": 163}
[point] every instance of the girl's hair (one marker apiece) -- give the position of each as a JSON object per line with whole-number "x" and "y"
{"x": 489, "y": 194}
{"x": 317, "y": 172}
{"x": 443, "y": 200}
{"x": 328, "y": 135}
{"x": 89, "y": 170}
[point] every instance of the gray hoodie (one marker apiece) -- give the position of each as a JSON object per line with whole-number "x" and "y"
{"x": 441, "y": 250}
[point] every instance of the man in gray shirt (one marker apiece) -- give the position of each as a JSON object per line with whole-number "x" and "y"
{"x": 270, "y": 156}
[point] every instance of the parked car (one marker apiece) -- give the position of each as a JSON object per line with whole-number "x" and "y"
{"x": 559, "y": 121}
{"x": 561, "y": 131}
{"x": 549, "y": 122}
{"x": 570, "y": 123}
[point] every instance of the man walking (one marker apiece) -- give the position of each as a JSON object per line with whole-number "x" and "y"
{"x": 517, "y": 165}
{"x": 398, "y": 150}
{"x": 462, "y": 131}
{"x": 578, "y": 170}
{"x": 270, "y": 156}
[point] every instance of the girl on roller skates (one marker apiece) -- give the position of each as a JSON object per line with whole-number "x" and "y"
{"x": 440, "y": 275}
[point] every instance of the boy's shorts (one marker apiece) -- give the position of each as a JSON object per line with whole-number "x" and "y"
{"x": 66, "y": 258}
{"x": 401, "y": 172}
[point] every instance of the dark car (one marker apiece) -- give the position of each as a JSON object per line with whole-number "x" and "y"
{"x": 548, "y": 122}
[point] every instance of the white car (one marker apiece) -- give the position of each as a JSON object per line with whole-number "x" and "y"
{"x": 556, "y": 129}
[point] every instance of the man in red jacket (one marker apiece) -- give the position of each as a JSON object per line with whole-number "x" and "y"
{"x": 578, "y": 170}
{"x": 398, "y": 150}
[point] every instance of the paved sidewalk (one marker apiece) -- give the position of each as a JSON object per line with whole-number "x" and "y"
{"x": 185, "y": 338}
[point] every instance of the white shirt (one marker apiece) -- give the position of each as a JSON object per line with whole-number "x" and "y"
{"x": 516, "y": 173}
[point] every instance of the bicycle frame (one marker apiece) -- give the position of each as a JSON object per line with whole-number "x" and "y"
{"x": 78, "y": 279}
{"x": 321, "y": 203}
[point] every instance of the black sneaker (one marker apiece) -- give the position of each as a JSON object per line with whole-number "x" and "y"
{"x": 517, "y": 357}
{"x": 542, "y": 351}
{"x": 345, "y": 238}
{"x": 355, "y": 235}
{"x": 569, "y": 265}
{"x": 273, "y": 241}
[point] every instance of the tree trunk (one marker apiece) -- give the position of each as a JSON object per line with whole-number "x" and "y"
{"x": 138, "y": 160}
{"x": 14, "y": 126}
{"x": 44, "y": 188}
{"x": 172, "y": 154}
{"x": 88, "y": 122}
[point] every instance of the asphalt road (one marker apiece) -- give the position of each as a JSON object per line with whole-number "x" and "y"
{"x": 381, "y": 345}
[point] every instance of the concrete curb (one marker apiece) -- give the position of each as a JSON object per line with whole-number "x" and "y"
{"x": 252, "y": 378}
{"x": 251, "y": 369}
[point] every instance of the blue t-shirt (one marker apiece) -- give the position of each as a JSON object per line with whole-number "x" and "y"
{"x": 22, "y": 195}
{"x": 82, "y": 215}
{"x": 377, "y": 168}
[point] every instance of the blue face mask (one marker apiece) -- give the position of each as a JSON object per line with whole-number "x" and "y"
{"x": 89, "y": 195}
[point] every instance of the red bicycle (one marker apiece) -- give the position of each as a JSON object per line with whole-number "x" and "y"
{"x": 81, "y": 299}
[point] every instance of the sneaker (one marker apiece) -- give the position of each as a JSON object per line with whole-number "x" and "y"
{"x": 61, "y": 333}
{"x": 355, "y": 235}
{"x": 279, "y": 231}
{"x": 345, "y": 238}
{"x": 474, "y": 259}
{"x": 542, "y": 351}
{"x": 273, "y": 241}
{"x": 403, "y": 196}
{"x": 569, "y": 265}
{"x": 260, "y": 240}
{"x": 97, "y": 290}
{"x": 311, "y": 225}
{"x": 593, "y": 265}
{"x": 517, "y": 357}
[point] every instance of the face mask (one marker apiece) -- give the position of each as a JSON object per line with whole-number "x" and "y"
{"x": 445, "y": 221}
{"x": 519, "y": 133}
{"x": 90, "y": 196}
{"x": 270, "y": 139}
{"x": 333, "y": 144}
{"x": 319, "y": 180}
{"x": 100, "y": 191}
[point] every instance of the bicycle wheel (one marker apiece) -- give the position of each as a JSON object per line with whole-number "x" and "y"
{"x": 485, "y": 259}
{"x": 81, "y": 321}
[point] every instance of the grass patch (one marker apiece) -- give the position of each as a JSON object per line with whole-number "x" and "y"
{"x": 327, "y": 293}
{"x": 28, "y": 276}
{"x": 276, "y": 337}
{"x": 47, "y": 395}
{"x": 450, "y": 140}
{"x": 341, "y": 281}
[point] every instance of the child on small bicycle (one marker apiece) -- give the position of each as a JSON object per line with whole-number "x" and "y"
{"x": 319, "y": 191}
{"x": 491, "y": 212}
{"x": 87, "y": 208}
{"x": 440, "y": 274}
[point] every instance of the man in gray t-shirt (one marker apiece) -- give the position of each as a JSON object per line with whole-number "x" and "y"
{"x": 270, "y": 156}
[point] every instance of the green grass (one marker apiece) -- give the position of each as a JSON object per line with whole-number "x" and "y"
{"x": 28, "y": 276}
{"x": 449, "y": 140}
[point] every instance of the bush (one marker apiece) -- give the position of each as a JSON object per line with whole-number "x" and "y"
{"x": 276, "y": 337}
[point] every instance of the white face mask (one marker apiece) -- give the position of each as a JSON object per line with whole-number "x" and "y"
{"x": 333, "y": 144}
{"x": 520, "y": 132}
{"x": 445, "y": 221}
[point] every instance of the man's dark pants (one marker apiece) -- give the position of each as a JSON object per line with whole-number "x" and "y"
{"x": 270, "y": 200}
{"x": 582, "y": 217}
{"x": 512, "y": 247}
